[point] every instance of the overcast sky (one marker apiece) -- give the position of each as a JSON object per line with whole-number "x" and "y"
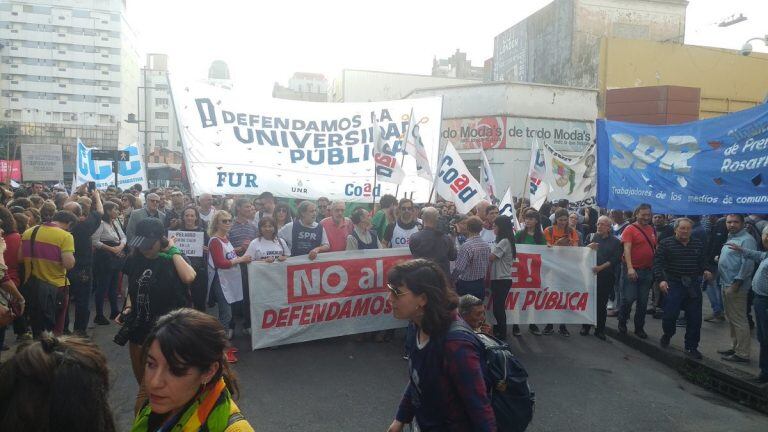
{"x": 267, "y": 41}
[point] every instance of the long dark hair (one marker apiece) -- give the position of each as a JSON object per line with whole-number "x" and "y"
{"x": 198, "y": 221}
{"x": 538, "y": 233}
{"x": 268, "y": 220}
{"x": 109, "y": 206}
{"x": 7, "y": 221}
{"x": 504, "y": 225}
{"x": 423, "y": 276}
{"x": 56, "y": 384}
{"x": 192, "y": 339}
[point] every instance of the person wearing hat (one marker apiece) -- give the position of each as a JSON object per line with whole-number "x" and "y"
{"x": 154, "y": 288}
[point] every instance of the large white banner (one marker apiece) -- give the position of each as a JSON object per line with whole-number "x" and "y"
{"x": 130, "y": 172}
{"x": 571, "y": 178}
{"x": 343, "y": 293}
{"x": 339, "y": 293}
{"x": 234, "y": 144}
{"x": 455, "y": 183}
{"x": 551, "y": 285}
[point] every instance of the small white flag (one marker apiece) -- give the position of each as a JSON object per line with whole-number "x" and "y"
{"x": 415, "y": 147}
{"x": 388, "y": 165}
{"x": 507, "y": 208}
{"x": 457, "y": 184}
{"x": 537, "y": 177}
{"x": 486, "y": 178}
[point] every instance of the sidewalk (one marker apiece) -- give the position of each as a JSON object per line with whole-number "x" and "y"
{"x": 731, "y": 379}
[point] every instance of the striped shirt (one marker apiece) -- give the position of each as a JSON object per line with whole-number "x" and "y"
{"x": 674, "y": 260}
{"x": 472, "y": 260}
{"x": 242, "y": 234}
{"x": 50, "y": 243}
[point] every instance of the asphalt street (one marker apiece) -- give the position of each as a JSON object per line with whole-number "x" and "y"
{"x": 582, "y": 384}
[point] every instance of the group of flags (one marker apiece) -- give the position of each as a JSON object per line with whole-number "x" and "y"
{"x": 412, "y": 146}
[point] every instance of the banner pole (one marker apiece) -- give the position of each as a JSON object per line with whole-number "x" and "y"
{"x": 405, "y": 142}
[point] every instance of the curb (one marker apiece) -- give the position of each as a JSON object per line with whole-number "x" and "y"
{"x": 712, "y": 375}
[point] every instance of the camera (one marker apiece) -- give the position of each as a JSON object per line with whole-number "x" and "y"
{"x": 122, "y": 336}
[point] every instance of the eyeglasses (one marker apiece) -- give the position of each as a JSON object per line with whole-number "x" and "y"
{"x": 282, "y": 210}
{"x": 226, "y": 221}
{"x": 395, "y": 290}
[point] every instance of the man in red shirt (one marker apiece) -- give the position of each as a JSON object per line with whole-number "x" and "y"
{"x": 337, "y": 227}
{"x": 639, "y": 241}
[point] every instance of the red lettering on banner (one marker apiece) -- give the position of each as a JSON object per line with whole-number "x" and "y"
{"x": 555, "y": 300}
{"x": 312, "y": 313}
{"x": 337, "y": 279}
{"x": 526, "y": 272}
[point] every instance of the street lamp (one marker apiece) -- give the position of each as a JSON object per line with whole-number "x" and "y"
{"x": 746, "y": 49}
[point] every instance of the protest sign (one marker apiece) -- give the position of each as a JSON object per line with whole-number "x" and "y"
{"x": 339, "y": 293}
{"x": 343, "y": 293}
{"x": 551, "y": 285}
{"x": 129, "y": 172}
{"x": 571, "y": 178}
{"x": 234, "y": 144}
{"x": 189, "y": 242}
{"x": 455, "y": 183}
{"x": 10, "y": 170}
{"x": 694, "y": 168}
{"x": 41, "y": 162}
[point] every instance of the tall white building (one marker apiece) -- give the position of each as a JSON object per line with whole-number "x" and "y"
{"x": 68, "y": 69}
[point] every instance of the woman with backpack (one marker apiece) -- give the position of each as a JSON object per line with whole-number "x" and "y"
{"x": 446, "y": 389}
{"x": 502, "y": 257}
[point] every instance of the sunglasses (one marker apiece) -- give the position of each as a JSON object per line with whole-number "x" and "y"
{"x": 282, "y": 210}
{"x": 226, "y": 221}
{"x": 395, "y": 290}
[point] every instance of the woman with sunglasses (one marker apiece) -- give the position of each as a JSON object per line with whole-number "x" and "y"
{"x": 224, "y": 277}
{"x": 446, "y": 390}
{"x": 283, "y": 215}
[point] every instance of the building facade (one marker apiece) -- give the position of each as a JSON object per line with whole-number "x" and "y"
{"x": 66, "y": 68}
{"x": 304, "y": 86}
{"x": 457, "y": 66}
{"x": 371, "y": 86}
{"x": 560, "y": 43}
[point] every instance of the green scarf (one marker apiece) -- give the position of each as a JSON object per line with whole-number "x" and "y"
{"x": 209, "y": 411}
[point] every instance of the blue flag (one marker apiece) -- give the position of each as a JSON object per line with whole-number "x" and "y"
{"x": 711, "y": 166}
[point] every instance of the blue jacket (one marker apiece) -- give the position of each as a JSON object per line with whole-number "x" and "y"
{"x": 733, "y": 265}
{"x": 760, "y": 283}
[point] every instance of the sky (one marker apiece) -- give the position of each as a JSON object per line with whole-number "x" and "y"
{"x": 264, "y": 42}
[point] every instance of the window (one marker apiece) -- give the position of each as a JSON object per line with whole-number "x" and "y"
{"x": 161, "y": 143}
{"x": 161, "y": 115}
{"x": 161, "y": 101}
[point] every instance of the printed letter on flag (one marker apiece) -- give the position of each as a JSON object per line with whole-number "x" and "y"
{"x": 389, "y": 167}
{"x": 507, "y": 208}
{"x": 537, "y": 177}
{"x": 455, "y": 183}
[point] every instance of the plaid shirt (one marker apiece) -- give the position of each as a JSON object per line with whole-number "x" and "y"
{"x": 450, "y": 392}
{"x": 472, "y": 260}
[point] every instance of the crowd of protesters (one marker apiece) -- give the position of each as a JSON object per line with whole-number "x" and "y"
{"x": 61, "y": 250}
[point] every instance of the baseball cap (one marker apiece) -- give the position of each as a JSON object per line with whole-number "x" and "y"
{"x": 148, "y": 231}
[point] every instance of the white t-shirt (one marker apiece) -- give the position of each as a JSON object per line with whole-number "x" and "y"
{"x": 207, "y": 218}
{"x": 489, "y": 237}
{"x": 261, "y": 248}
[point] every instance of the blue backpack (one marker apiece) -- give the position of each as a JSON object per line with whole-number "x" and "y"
{"x": 512, "y": 398}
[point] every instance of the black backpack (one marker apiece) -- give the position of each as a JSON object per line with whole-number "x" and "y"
{"x": 511, "y": 396}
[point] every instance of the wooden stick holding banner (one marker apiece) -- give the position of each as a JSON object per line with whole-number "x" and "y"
{"x": 402, "y": 156}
